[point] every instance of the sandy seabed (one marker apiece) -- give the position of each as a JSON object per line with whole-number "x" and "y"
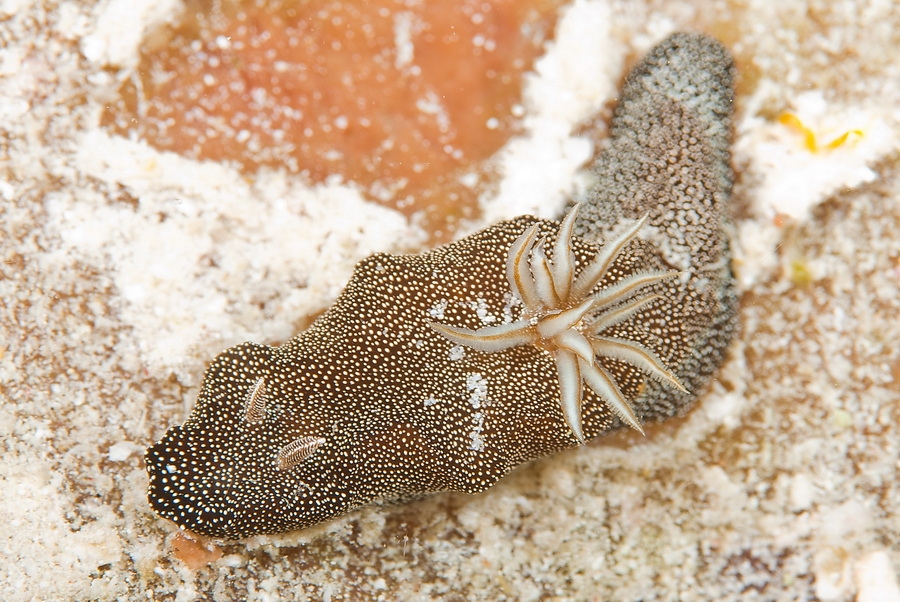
{"x": 126, "y": 269}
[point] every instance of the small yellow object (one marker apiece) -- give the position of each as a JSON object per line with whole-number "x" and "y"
{"x": 800, "y": 273}
{"x": 809, "y": 137}
{"x": 841, "y": 418}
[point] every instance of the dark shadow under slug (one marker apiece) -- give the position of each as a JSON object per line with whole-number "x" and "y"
{"x": 446, "y": 370}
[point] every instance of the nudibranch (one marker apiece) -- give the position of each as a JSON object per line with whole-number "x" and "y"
{"x": 446, "y": 370}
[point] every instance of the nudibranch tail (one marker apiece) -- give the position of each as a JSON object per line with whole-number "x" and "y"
{"x": 668, "y": 165}
{"x": 564, "y": 315}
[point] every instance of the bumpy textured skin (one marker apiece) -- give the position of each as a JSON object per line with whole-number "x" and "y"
{"x": 669, "y": 158}
{"x": 394, "y": 410}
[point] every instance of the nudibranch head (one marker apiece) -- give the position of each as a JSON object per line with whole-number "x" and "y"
{"x": 567, "y": 315}
{"x": 244, "y": 455}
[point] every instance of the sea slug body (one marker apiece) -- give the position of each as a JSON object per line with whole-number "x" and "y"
{"x": 446, "y": 370}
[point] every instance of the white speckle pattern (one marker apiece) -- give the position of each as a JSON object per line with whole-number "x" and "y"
{"x": 350, "y": 388}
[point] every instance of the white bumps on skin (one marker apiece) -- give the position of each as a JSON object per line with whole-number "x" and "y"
{"x": 669, "y": 160}
{"x": 284, "y": 437}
